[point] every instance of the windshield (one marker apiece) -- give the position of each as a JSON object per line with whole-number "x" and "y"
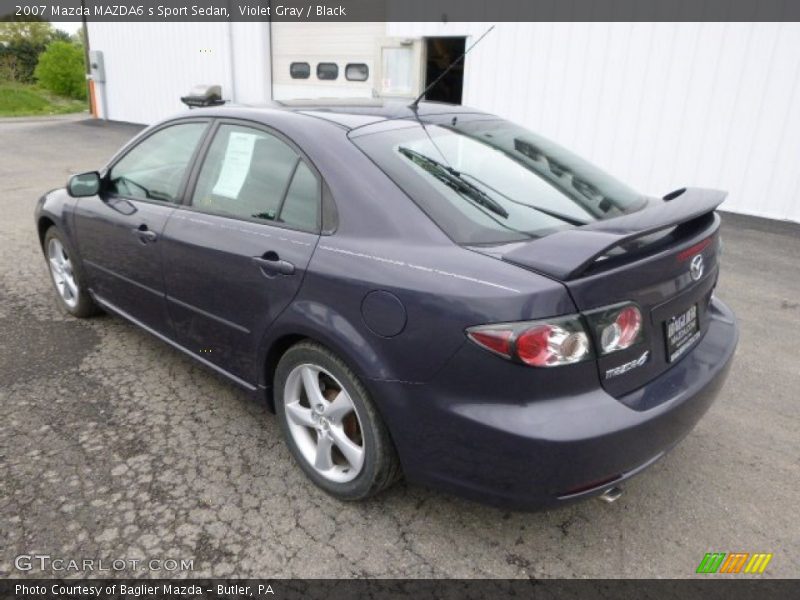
{"x": 490, "y": 181}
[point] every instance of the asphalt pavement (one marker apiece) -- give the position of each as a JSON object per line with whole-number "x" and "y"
{"x": 114, "y": 446}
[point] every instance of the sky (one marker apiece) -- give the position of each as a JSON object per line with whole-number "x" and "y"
{"x": 69, "y": 26}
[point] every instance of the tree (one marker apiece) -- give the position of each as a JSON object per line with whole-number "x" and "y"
{"x": 21, "y": 43}
{"x": 9, "y": 70}
{"x": 61, "y": 70}
{"x": 23, "y": 55}
{"x": 37, "y": 33}
{"x": 79, "y": 37}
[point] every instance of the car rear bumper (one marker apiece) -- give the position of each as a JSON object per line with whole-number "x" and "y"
{"x": 543, "y": 449}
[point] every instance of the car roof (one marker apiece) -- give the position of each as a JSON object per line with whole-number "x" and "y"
{"x": 351, "y": 113}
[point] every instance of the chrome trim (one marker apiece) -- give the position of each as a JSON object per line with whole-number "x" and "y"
{"x": 612, "y": 494}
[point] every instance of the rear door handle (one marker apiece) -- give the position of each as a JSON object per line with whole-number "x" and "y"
{"x": 271, "y": 264}
{"x": 145, "y": 235}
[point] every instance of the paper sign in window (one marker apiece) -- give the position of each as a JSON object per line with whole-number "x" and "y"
{"x": 235, "y": 165}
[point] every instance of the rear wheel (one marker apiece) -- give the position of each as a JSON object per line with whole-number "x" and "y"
{"x": 331, "y": 426}
{"x": 67, "y": 276}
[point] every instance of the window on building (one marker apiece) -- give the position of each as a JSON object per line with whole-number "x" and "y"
{"x": 154, "y": 168}
{"x": 300, "y": 70}
{"x": 397, "y": 70}
{"x": 356, "y": 72}
{"x": 252, "y": 174}
{"x": 328, "y": 71}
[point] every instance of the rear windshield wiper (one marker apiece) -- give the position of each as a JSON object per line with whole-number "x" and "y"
{"x": 452, "y": 179}
{"x": 546, "y": 211}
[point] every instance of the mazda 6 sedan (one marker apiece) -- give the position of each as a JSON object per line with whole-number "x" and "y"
{"x": 432, "y": 292}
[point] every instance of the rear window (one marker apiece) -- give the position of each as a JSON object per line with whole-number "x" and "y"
{"x": 493, "y": 182}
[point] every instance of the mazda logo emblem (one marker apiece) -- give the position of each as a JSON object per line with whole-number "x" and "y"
{"x": 696, "y": 267}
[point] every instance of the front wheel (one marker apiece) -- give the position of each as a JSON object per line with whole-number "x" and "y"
{"x": 67, "y": 276}
{"x": 331, "y": 426}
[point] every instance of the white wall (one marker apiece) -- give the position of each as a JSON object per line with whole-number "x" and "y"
{"x": 149, "y": 66}
{"x": 660, "y": 105}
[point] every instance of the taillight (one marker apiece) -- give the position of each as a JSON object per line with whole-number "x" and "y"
{"x": 617, "y": 327}
{"x": 551, "y": 343}
{"x": 563, "y": 340}
{"x": 498, "y": 341}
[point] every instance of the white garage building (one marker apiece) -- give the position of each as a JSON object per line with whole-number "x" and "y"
{"x": 660, "y": 105}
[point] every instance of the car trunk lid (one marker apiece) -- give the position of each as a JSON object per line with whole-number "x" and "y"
{"x": 644, "y": 257}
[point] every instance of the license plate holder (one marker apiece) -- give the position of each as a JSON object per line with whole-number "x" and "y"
{"x": 681, "y": 331}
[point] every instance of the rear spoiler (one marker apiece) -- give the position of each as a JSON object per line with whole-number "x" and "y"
{"x": 567, "y": 254}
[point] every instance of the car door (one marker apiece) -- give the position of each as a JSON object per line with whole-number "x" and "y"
{"x": 119, "y": 230}
{"x": 236, "y": 254}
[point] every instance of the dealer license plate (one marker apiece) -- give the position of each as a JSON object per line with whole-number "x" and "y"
{"x": 681, "y": 331}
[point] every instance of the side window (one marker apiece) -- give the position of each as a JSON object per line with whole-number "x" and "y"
{"x": 251, "y": 174}
{"x": 154, "y": 168}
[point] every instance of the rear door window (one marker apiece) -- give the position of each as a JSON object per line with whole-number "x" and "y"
{"x": 251, "y": 174}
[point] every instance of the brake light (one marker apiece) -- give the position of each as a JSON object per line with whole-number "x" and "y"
{"x": 692, "y": 250}
{"x": 623, "y": 331}
{"x": 533, "y": 345}
{"x": 616, "y": 327}
{"x": 498, "y": 341}
{"x": 561, "y": 341}
{"x": 550, "y": 345}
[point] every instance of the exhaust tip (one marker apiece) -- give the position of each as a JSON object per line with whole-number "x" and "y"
{"x": 612, "y": 494}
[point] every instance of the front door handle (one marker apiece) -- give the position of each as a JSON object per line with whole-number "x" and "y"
{"x": 145, "y": 235}
{"x": 271, "y": 264}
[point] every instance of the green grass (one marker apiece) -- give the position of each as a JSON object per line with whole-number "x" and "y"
{"x": 19, "y": 100}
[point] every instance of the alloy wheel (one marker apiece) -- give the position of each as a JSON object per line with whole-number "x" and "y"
{"x": 62, "y": 271}
{"x": 324, "y": 423}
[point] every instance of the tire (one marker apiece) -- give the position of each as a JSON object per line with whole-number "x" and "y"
{"x": 310, "y": 430}
{"x": 67, "y": 276}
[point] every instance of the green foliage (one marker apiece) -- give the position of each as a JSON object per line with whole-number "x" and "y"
{"x": 21, "y": 43}
{"x": 79, "y": 37}
{"x": 61, "y": 70}
{"x": 9, "y": 67}
{"x": 17, "y": 100}
{"x": 61, "y": 36}
{"x": 35, "y": 32}
{"x": 18, "y": 61}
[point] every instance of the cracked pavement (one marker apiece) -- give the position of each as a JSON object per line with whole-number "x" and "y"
{"x": 115, "y": 446}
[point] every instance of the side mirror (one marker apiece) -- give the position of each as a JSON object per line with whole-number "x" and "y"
{"x": 84, "y": 184}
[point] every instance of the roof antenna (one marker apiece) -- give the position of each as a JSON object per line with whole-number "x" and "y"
{"x": 415, "y": 103}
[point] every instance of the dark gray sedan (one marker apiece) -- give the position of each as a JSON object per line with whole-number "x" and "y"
{"x": 431, "y": 291}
